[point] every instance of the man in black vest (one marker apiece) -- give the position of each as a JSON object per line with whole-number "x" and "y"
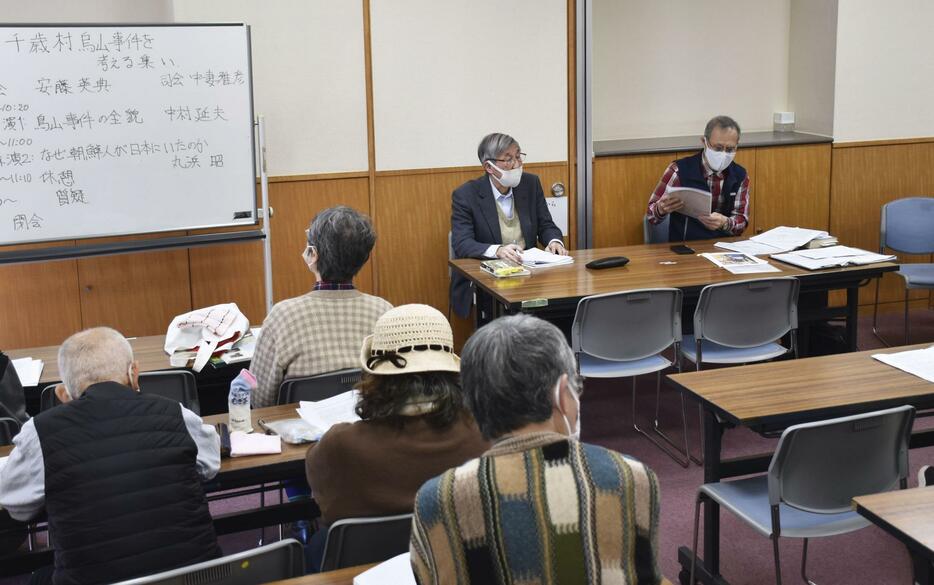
{"x": 118, "y": 473}
{"x": 711, "y": 170}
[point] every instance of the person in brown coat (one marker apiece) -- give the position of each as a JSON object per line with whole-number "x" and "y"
{"x": 415, "y": 424}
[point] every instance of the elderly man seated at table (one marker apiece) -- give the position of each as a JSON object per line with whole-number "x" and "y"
{"x": 414, "y": 422}
{"x": 118, "y": 473}
{"x": 321, "y": 330}
{"x": 540, "y": 506}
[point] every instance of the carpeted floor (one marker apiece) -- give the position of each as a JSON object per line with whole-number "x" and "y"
{"x": 867, "y": 557}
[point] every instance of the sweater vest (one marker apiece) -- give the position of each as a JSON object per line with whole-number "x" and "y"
{"x": 122, "y": 490}
{"x": 691, "y": 174}
{"x": 510, "y": 229}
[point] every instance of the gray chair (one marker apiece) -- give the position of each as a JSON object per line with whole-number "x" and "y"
{"x": 360, "y": 541}
{"x": 177, "y": 385}
{"x": 280, "y": 560}
{"x": 654, "y": 233}
{"x": 741, "y": 322}
{"x": 9, "y": 427}
{"x": 318, "y": 387}
{"x": 907, "y": 226}
{"x": 815, "y": 472}
{"x": 624, "y": 334}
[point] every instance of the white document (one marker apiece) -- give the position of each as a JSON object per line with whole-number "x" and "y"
{"x": 324, "y": 414}
{"x": 837, "y": 252}
{"x": 748, "y": 247}
{"x": 739, "y": 263}
{"x": 804, "y": 259}
{"x": 788, "y": 238}
{"x": 558, "y": 206}
{"x": 397, "y": 570}
{"x": 28, "y": 370}
{"x": 696, "y": 202}
{"x": 535, "y": 258}
{"x": 918, "y": 362}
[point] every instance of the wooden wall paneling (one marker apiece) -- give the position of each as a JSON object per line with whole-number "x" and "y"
{"x": 792, "y": 187}
{"x": 863, "y": 179}
{"x": 295, "y": 203}
{"x": 137, "y": 294}
{"x": 621, "y": 189}
{"x": 38, "y": 302}
{"x": 229, "y": 273}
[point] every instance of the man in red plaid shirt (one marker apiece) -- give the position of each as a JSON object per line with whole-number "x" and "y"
{"x": 711, "y": 170}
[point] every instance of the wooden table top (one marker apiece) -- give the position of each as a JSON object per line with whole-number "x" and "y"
{"x": 148, "y": 351}
{"x": 650, "y": 266}
{"x": 835, "y": 384}
{"x": 906, "y": 514}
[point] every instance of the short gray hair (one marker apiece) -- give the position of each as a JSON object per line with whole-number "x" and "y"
{"x": 494, "y": 145}
{"x": 722, "y": 122}
{"x": 100, "y": 354}
{"x": 344, "y": 238}
{"x": 509, "y": 368}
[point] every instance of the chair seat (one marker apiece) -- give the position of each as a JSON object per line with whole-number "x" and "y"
{"x": 594, "y": 367}
{"x": 749, "y": 500}
{"x": 917, "y": 275}
{"x": 720, "y": 354}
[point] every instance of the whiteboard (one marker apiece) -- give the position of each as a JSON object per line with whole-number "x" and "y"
{"x": 124, "y": 129}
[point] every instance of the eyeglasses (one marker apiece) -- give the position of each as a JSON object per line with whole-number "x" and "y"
{"x": 721, "y": 148}
{"x": 509, "y": 161}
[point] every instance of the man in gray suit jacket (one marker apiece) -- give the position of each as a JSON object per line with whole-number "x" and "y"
{"x": 499, "y": 214}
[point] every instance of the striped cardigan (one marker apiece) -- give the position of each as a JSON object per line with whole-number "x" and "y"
{"x": 538, "y": 509}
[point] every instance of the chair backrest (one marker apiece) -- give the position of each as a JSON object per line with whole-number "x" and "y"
{"x": 906, "y": 225}
{"x": 747, "y": 313}
{"x": 360, "y": 541}
{"x": 654, "y": 233}
{"x": 279, "y": 560}
{"x": 820, "y": 466}
{"x": 318, "y": 387}
{"x": 177, "y": 385}
{"x": 9, "y": 427}
{"x": 627, "y": 325}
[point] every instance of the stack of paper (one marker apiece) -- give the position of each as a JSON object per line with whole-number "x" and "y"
{"x": 918, "y": 362}
{"x": 324, "y": 414}
{"x": 774, "y": 241}
{"x": 535, "y": 258}
{"x": 397, "y": 570}
{"x": 833, "y": 256}
{"x": 738, "y": 263}
{"x": 28, "y": 370}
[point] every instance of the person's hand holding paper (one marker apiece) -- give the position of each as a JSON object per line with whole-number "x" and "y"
{"x": 669, "y": 203}
{"x": 713, "y": 221}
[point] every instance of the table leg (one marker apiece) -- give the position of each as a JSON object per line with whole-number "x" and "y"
{"x": 923, "y": 571}
{"x": 852, "y": 316}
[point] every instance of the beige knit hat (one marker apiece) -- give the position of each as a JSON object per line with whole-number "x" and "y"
{"x": 409, "y": 339}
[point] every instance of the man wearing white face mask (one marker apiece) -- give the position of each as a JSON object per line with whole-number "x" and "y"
{"x": 711, "y": 170}
{"x": 539, "y": 506}
{"x": 499, "y": 214}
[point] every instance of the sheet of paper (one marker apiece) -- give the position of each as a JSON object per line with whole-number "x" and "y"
{"x": 748, "y": 247}
{"x": 28, "y": 370}
{"x": 558, "y": 206}
{"x": 804, "y": 261}
{"x": 838, "y": 252}
{"x": 787, "y": 238}
{"x": 535, "y": 258}
{"x": 752, "y": 269}
{"x": 397, "y": 570}
{"x": 696, "y": 202}
{"x": 918, "y": 362}
{"x": 324, "y": 414}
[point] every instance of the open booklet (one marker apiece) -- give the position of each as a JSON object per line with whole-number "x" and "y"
{"x": 739, "y": 263}
{"x": 830, "y": 257}
{"x": 696, "y": 202}
{"x": 535, "y": 258}
{"x": 324, "y": 414}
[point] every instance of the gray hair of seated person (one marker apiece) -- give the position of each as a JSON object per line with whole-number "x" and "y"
{"x": 100, "y": 354}
{"x": 509, "y": 369}
{"x": 723, "y": 122}
{"x": 344, "y": 238}
{"x": 494, "y": 145}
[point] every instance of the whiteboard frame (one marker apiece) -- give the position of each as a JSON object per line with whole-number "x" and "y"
{"x": 249, "y": 54}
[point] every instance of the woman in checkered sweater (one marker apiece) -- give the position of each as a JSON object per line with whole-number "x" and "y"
{"x": 540, "y": 506}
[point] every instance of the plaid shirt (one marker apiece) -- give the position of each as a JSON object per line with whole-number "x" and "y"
{"x": 318, "y": 332}
{"x": 739, "y": 217}
{"x": 328, "y": 285}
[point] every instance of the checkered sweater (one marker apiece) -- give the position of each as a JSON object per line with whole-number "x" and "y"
{"x": 538, "y": 509}
{"x": 318, "y": 332}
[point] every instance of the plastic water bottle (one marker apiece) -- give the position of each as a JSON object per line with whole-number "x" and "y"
{"x": 238, "y": 402}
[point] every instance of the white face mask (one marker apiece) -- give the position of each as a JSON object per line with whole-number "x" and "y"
{"x": 576, "y": 433}
{"x": 717, "y": 160}
{"x": 509, "y": 178}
